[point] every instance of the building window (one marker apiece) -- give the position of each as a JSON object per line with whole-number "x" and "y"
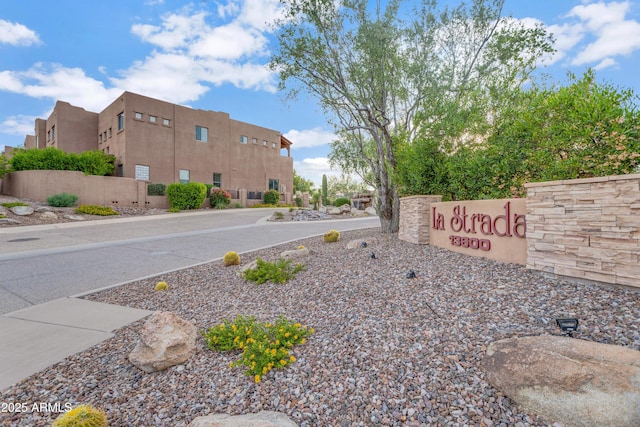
{"x": 273, "y": 145}
{"x": 142, "y": 172}
{"x": 53, "y": 133}
{"x": 138, "y": 116}
{"x": 243, "y": 139}
{"x": 107, "y": 150}
{"x": 110, "y": 133}
{"x": 217, "y": 180}
{"x": 105, "y": 135}
{"x": 274, "y": 184}
{"x": 265, "y": 142}
{"x": 202, "y": 134}
{"x": 48, "y": 135}
{"x": 121, "y": 121}
{"x": 184, "y": 176}
{"x": 153, "y": 119}
{"x": 166, "y": 122}
{"x": 100, "y": 138}
{"x": 255, "y": 140}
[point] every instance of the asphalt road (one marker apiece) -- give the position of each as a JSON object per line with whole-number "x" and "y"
{"x": 43, "y": 263}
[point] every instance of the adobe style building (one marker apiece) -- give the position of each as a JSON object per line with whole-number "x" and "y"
{"x": 160, "y": 142}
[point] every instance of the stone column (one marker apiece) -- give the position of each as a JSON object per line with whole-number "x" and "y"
{"x": 415, "y": 218}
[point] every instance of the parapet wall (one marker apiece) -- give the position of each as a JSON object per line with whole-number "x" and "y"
{"x": 586, "y": 228}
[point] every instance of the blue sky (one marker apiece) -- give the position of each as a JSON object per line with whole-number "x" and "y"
{"x": 211, "y": 54}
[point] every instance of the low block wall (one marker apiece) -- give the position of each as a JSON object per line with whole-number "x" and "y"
{"x": 93, "y": 190}
{"x": 586, "y": 228}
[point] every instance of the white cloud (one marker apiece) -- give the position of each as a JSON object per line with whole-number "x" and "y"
{"x": 605, "y": 63}
{"x": 17, "y": 34}
{"x": 314, "y": 168}
{"x": 57, "y": 82}
{"x": 315, "y": 137}
{"x": 18, "y": 125}
{"x": 176, "y": 30}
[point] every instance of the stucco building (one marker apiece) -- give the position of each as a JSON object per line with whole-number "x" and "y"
{"x": 160, "y": 142}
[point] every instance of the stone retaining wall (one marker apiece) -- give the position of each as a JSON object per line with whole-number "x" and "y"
{"x": 586, "y": 228}
{"x": 415, "y": 218}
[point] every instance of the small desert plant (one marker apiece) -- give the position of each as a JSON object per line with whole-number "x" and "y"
{"x": 300, "y": 247}
{"x": 219, "y": 198}
{"x": 231, "y": 258}
{"x": 156, "y": 189}
{"x": 62, "y": 200}
{"x": 342, "y": 201}
{"x": 271, "y": 197}
{"x": 298, "y": 201}
{"x": 265, "y": 346}
{"x": 237, "y": 205}
{"x": 10, "y": 205}
{"x": 96, "y": 210}
{"x": 161, "y": 286}
{"x": 82, "y": 416}
{"x": 331, "y": 236}
{"x": 278, "y": 272}
{"x": 278, "y": 215}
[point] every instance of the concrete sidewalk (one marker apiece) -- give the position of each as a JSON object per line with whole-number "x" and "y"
{"x": 37, "y": 337}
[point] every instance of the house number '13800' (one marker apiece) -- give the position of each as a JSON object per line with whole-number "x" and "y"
{"x": 471, "y": 242}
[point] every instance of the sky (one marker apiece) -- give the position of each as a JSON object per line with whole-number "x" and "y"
{"x": 212, "y": 54}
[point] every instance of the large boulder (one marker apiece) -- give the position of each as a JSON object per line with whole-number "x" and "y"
{"x": 575, "y": 382}
{"x": 22, "y": 210}
{"x": 261, "y": 419}
{"x": 334, "y": 211}
{"x": 371, "y": 211}
{"x": 165, "y": 340}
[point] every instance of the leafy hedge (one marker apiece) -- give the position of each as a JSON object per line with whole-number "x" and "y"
{"x": 93, "y": 162}
{"x": 156, "y": 189}
{"x": 62, "y": 200}
{"x": 271, "y": 197}
{"x": 186, "y": 196}
{"x": 342, "y": 201}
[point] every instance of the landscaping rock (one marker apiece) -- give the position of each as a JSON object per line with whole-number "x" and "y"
{"x": 357, "y": 243}
{"x": 322, "y": 209}
{"x": 48, "y": 215}
{"x": 371, "y": 211}
{"x": 334, "y": 211}
{"x": 74, "y": 217}
{"x": 295, "y": 254}
{"x": 345, "y": 208}
{"x": 260, "y": 419}
{"x": 9, "y": 221}
{"x": 250, "y": 266}
{"x": 22, "y": 210}
{"x": 575, "y": 382}
{"x": 165, "y": 340}
{"x": 355, "y": 211}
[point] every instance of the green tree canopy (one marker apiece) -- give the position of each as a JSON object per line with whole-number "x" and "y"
{"x": 375, "y": 72}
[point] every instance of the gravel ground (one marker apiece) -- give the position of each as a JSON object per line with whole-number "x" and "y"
{"x": 387, "y": 350}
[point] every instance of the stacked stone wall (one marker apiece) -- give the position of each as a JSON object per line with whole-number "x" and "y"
{"x": 415, "y": 218}
{"x": 586, "y": 228}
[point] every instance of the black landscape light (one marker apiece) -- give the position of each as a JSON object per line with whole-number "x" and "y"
{"x": 568, "y": 325}
{"x": 411, "y": 274}
{"x": 373, "y": 255}
{"x": 363, "y": 244}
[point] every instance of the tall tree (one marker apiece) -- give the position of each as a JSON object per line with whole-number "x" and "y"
{"x": 373, "y": 70}
{"x": 301, "y": 184}
{"x": 324, "y": 190}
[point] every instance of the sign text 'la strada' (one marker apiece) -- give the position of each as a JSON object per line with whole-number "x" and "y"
{"x": 508, "y": 224}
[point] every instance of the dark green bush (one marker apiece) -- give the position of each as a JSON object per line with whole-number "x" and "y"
{"x": 62, "y": 200}
{"x": 93, "y": 162}
{"x": 298, "y": 201}
{"x": 156, "y": 190}
{"x": 271, "y": 197}
{"x": 186, "y": 196}
{"x": 342, "y": 201}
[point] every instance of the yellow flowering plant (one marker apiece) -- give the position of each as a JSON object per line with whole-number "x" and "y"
{"x": 264, "y": 346}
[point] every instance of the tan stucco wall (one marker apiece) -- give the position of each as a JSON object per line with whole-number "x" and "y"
{"x": 471, "y": 223}
{"x": 586, "y": 228}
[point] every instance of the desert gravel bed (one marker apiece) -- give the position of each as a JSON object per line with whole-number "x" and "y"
{"x": 387, "y": 350}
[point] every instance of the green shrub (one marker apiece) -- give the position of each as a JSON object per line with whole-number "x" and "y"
{"x": 82, "y": 416}
{"x": 4, "y": 166}
{"x": 62, "y": 200}
{"x": 265, "y": 346}
{"x": 10, "y": 205}
{"x": 298, "y": 201}
{"x": 237, "y": 205}
{"x": 278, "y": 215}
{"x": 331, "y": 236}
{"x": 342, "y": 201}
{"x": 186, "y": 196}
{"x": 278, "y": 272}
{"x": 231, "y": 258}
{"x": 96, "y": 210}
{"x": 219, "y": 198}
{"x": 156, "y": 190}
{"x": 271, "y": 197}
{"x": 93, "y": 162}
